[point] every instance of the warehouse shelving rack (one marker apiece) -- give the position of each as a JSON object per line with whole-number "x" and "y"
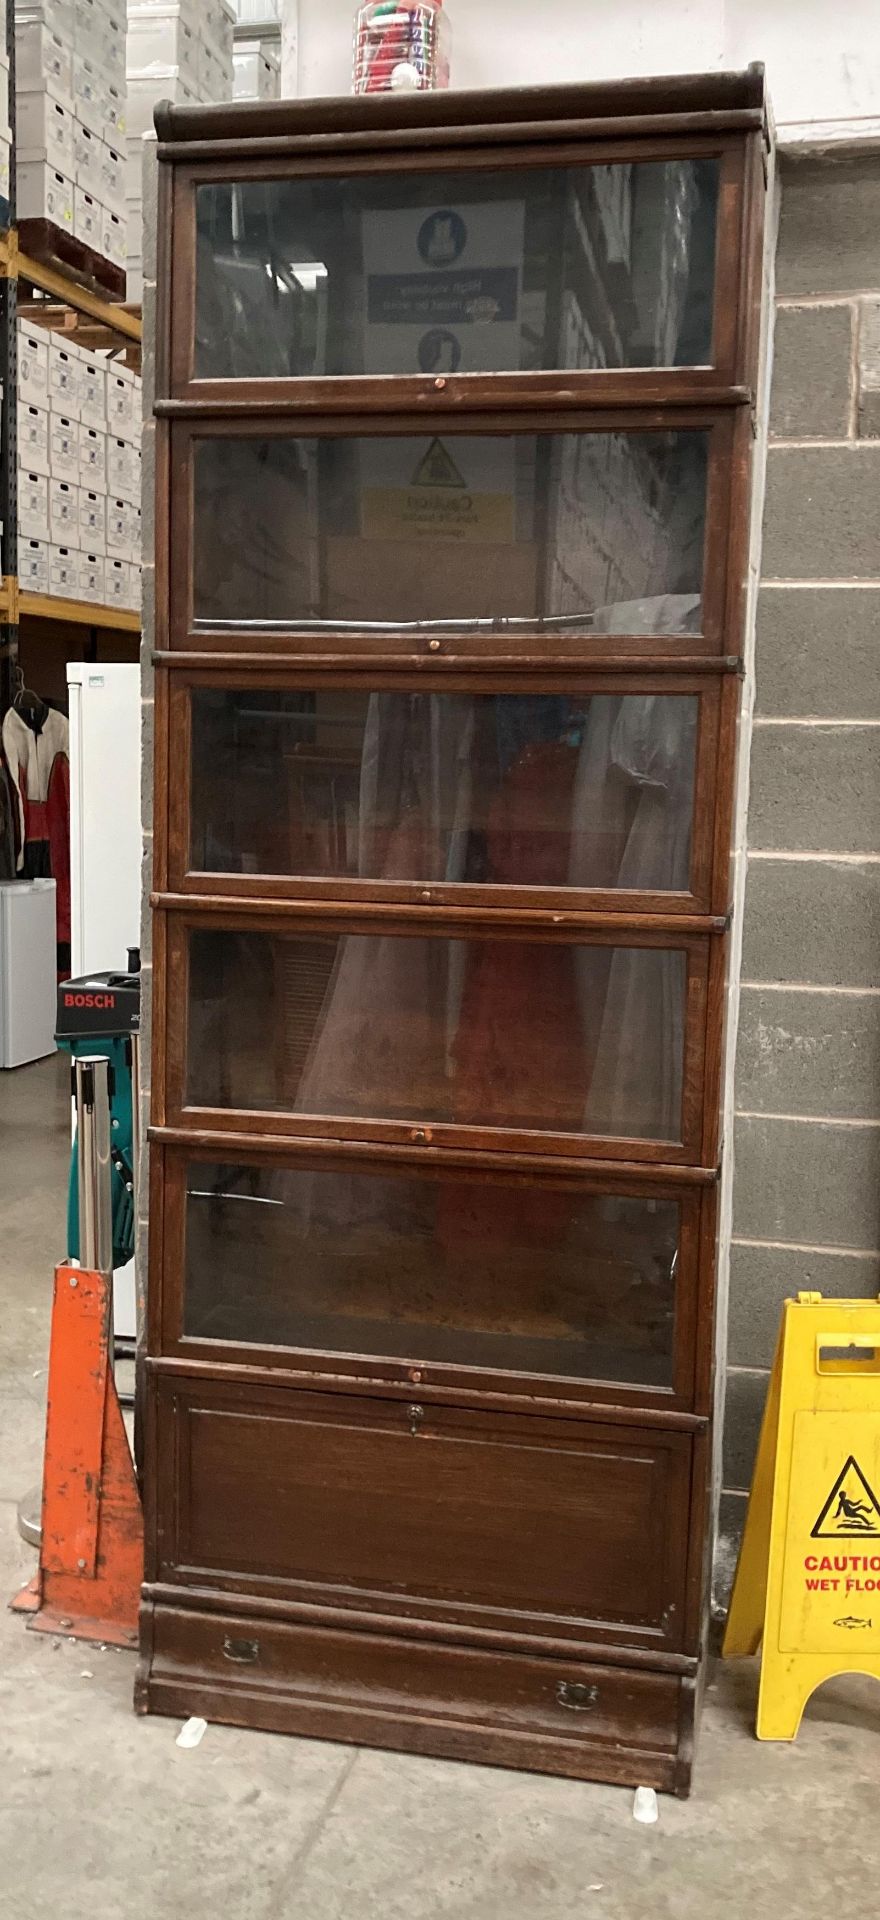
{"x": 49, "y": 298}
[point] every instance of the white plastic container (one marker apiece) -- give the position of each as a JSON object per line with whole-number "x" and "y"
{"x": 33, "y": 437}
{"x": 43, "y": 61}
{"x": 92, "y": 521}
{"x": 33, "y": 366}
{"x": 33, "y": 506}
{"x": 64, "y": 528}
{"x": 163, "y": 37}
{"x": 33, "y": 566}
{"x": 28, "y": 979}
{"x": 44, "y": 193}
{"x": 44, "y": 126}
{"x": 64, "y": 365}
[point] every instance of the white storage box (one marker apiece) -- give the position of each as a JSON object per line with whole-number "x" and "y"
{"x": 255, "y": 74}
{"x": 33, "y": 506}
{"x": 56, "y": 15}
{"x": 63, "y": 448}
{"x": 88, "y": 148}
{"x": 145, "y": 90}
{"x": 64, "y": 364}
{"x": 117, "y": 577}
{"x": 115, "y": 113}
{"x": 134, "y": 279}
{"x": 123, "y": 470}
{"x": 163, "y": 37}
{"x": 215, "y": 74}
{"x": 93, "y": 458}
{"x": 217, "y": 23}
{"x": 123, "y": 403}
{"x": 33, "y": 366}
{"x": 64, "y": 529}
{"x": 92, "y": 392}
{"x": 33, "y": 437}
{"x": 134, "y": 229}
{"x": 5, "y": 159}
{"x": 87, "y": 219}
{"x": 92, "y": 584}
{"x": 92, "y": 521}
{"x": 63, "y": 572}
{"x": 121, "y": 529}
{"x": 113, "y": 237}
{"x": 89, "y": 93}
{"x": 44, "y": 128}
{"x": 43, "y": 59}
{"x": 100, "y": 33}
{"x": 134, "y": 586}
{"x": 44, "y": 193}
{"x": 112, "y": 179}
{"x": 33, "y": 566}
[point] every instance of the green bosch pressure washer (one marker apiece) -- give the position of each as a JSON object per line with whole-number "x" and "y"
{"x": 100, "y": 1014}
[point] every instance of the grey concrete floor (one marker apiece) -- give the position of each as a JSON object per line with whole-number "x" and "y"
{"x": 102, "y": 1817}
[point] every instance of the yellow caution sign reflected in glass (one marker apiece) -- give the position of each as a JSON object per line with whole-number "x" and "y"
{"x": 807, "y": 1587}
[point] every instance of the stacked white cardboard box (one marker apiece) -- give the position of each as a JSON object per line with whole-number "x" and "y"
{"x": 79, "y": 479}
{"x": 70, "y": 119}
{"x": 178, "y": 50}
{"x": 5, "y": 133}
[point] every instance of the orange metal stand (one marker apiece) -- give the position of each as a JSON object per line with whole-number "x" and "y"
{"x": 92, "y": 1554}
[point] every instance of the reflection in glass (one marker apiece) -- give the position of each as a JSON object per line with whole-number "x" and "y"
{"x": 601, "y": 532}
{"x": 552, "y": 267}
{"x": 536, "y": 1277}
{"x": 545, "y": 1035}
{"x": 538, "y": 789}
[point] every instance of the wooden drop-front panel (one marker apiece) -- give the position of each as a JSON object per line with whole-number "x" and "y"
{"x": 448, "y": 634}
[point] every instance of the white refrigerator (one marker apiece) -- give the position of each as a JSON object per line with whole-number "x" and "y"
{"x": 105, "y": 848}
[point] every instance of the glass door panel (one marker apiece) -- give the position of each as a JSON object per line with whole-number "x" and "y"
{"x": 472, "y": 1032}
{"x": 526, "y": 270}
{"x": 488, "y": 789}
{"x": 537, "y": 1278}
{"x": 568, "y": 532}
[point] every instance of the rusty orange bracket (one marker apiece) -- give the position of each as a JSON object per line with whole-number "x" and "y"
{"x": 92, "y": 1552}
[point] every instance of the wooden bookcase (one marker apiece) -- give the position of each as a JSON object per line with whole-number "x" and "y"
{"x": 455, "y": 417}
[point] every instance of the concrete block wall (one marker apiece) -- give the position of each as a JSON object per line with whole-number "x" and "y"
{"x": 806, "y": 1190}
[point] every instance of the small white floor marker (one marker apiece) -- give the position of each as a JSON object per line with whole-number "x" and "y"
{"x": 193, "y": 1730}
{"x": 645, "y": 1806}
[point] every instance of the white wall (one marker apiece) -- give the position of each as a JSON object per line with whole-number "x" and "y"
{"x": 823, "y": 60}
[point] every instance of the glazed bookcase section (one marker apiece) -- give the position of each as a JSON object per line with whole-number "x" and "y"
{"x": 513, "y": 1282}
{"x": 408, "y": 1031}
{"x": 450, "y": 597}
{"x": 573, "y": 791}
{"x": 540, "y": 537}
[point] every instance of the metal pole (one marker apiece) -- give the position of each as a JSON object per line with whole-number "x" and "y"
{"x": 93, "y": 1157}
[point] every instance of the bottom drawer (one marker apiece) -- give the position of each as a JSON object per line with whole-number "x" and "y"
{"x": 592, "y": 1722}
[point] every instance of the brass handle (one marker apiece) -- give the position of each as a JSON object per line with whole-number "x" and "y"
{"x": 576, "y": 1696}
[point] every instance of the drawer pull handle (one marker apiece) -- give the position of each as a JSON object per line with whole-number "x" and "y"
{"x": 576, "y": 1696}
{"x": 242, "y": 1651}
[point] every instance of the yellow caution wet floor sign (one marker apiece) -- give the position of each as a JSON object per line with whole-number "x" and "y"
{"x": 808, "y": 1580}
